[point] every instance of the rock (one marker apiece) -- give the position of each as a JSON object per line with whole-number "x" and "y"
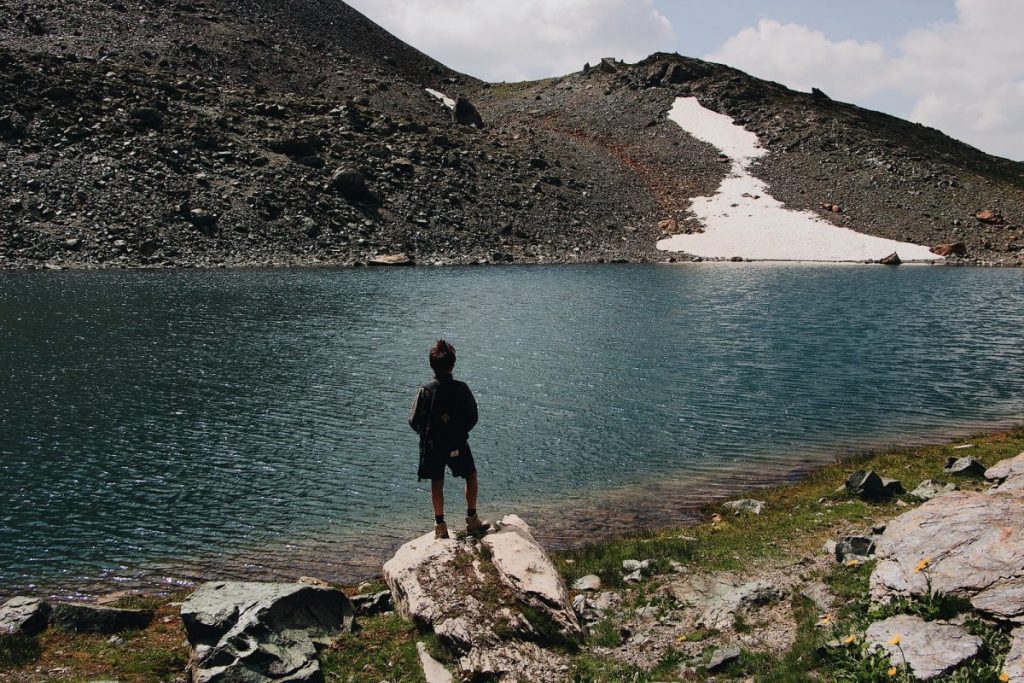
{"x": 820, "y": 95}
{"x": 590, "y": 582}
{"x": 745, "y": 505}
{"x": 867, "y": 486}
{"x": 973, "y": 544}
{"x": 205, "y": 221}
{"x": 524, "y": 566}
{"x": 930, "y": 648}
{"x": 608, "y": 65}
{"x": 392, "y": 260}
{"x": 893, "y": 487}
{"x": 440, "y": 585}
{"x": 73, "y": 243}
{"x": 635, "y": 565}
{"x": 1013, "y": 667}
{"x": 24, "y": 616}
{"x": 892, "y": 259}
{"x": 967, "y": 467}
{"x": 720, "y": 597}
{"x": 148, "y": 117}
{"x": 668, "y": 226}
{"x": 262, "y": 631}
{"x": 351, "y": 184}
{"x": 989, "y": 217}
{"x": 950, "y": 249}
{"x": 820, "y": 595}
{"x": 932, "y": 488}
{"x": 465, "y": 113}
{"x": 433, "y": 670}
{"x": 366, "y": 604}
{"x": 75, "y": 617}
{"x": 859, "y": 548}
{"x": 1006, "y": 469}
{"x": 722, "y": 657}
{"x": 634, "y": 577}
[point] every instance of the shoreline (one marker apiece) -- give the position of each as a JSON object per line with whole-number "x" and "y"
{"x": 603, "y": 516}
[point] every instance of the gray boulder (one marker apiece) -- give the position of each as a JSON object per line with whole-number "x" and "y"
{"x": 24, "y": 616}
{"x": 477, "y": 605}
{"x": 465, "y": 113}
{"x": 433, "y": 670}
{"x": 965, "y": 467}
{"x": 750, "y": 505}
{"x": 1007, "y": 469}
{"x": 721, "y": 658}
{"x": 720, "y": 597}
{"x": 590, "y": 582}
{"x": 75, "y": 617}
{"x": 930, "y": 648}
{"x": 261, "y": 632}
{"x": 860, "y": 548}
{"x": 366, "y": 604}
{"x": 1014, "y": 664}
{"x": 351, "y": 184}
{"x": 968, "y": 544}
{"x": 868, "y": 486}
{"x": 932, "y": 488}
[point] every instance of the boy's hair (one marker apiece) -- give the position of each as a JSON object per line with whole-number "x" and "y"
{"x": 442, "y": 357}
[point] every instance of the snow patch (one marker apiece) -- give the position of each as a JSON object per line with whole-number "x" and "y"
{"x": 743, "y": 220}
{"x": 448, "y": 102}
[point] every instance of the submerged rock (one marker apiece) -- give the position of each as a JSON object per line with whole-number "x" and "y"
{"x": 930, "y": 648}
{"x": 261, "y": 632}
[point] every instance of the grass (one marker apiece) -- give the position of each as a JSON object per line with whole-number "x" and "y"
{"x": 382, "y": 649}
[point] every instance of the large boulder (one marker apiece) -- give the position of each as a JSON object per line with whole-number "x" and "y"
{"x": 262, "y": 632}
{"x": 1007, "y": 469}
{"x": 719, "y": 598}
{"x": 351, "y": 184}
{"x": 465, "y": 113}
{"x": 487, "y": 602}
{"x": 1013, "y": 667}
{"x": 930, "y": 648}
{"x": 24, "y": 616}
{"x": 969, "y": 544}
{"x": 75, "y": 617}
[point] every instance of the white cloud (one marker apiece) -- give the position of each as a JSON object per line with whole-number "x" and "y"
{"x": 523, "y": 39}
{"x": 964, "y": 77}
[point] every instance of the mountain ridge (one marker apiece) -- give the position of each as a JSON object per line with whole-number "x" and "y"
{"x": 295, "y": 133}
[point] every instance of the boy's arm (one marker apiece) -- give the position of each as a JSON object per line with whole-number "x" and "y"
{"x": 415, "y": 419}
{"x": 471, "y": 412}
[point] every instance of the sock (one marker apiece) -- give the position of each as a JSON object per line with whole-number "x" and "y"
{"x": 470, "y": 512}
{"x": 438, "y": 519}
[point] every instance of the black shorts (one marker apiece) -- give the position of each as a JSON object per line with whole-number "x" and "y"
{"x": 432, "y": 466}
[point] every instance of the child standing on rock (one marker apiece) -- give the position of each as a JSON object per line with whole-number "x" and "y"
{"x": 443, "y": 413}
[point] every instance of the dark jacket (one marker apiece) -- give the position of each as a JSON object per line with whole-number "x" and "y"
{"x": 443, "y": 413}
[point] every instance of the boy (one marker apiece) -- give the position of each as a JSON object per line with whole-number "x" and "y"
{"x": 443, "y": 413}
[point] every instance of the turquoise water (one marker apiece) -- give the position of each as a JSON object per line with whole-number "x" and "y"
{"x": 162, "y": 427}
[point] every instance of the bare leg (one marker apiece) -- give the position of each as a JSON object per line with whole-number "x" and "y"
{"x": 437, "y": 495}
{"x": 471, "y": 491}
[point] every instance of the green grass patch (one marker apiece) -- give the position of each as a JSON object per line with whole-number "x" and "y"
{"x": 382, "y": 649}
{"x": 18, "y": 650}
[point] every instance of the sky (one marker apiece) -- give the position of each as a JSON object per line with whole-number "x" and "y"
{"x": 956, "y": 65}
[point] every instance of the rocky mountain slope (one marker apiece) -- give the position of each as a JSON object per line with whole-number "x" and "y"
{"x": 298, "y": 132}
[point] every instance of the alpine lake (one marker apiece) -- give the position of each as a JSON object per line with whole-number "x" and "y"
{"x": 158, "y": 428}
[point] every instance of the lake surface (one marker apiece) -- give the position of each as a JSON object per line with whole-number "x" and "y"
{"x": 156, "y": 428}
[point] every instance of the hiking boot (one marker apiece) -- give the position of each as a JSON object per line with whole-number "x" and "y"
{"x": 475, "y": 526}
{"x": 441, "y": 531}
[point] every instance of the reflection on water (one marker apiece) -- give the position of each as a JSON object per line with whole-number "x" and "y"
{"x": 252, "y": 423}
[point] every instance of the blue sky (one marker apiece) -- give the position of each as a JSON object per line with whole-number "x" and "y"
{"x": 956, "y": 65}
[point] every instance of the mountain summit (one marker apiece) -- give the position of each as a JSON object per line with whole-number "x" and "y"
{"x": 299, "y": 132}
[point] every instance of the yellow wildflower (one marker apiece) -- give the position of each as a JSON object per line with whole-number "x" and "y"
{"x": 825, "y": 620}
{"x": 891, "y": 672}
{"x": 849, "y": 639}
{"x": 852, "y": 563}
{"x": 922, "y": 565}
{"x": 895, "y": 640}
{"x": 1004, "y": 677}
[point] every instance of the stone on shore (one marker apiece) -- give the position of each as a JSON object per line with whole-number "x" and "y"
{"x": 854, "y": 548}
{"x": 24, "y": 616}
{"x": 868, "y": 486}
{"x": 932, "y": 488}
{"x": 367, "y": 604}
{"x": 967, "y": 544}
{"x": 392, "y": 260}
{"x": 745, "y": 505}
{"x": 930, "y": 648}
{"x": 1013, "y": 667}
{"x": 720, "y": 597}
{"x": 966, "y": 467}
{"x": 75, "y": 617}
{"x": 483, "y": 599}
{"x": 722, "y": 657}
{"x": 1007, "y": 469}
{"x": 590, "y": 582}
{"x": 433, "y": 670}
{"x": 261, "y": 632}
